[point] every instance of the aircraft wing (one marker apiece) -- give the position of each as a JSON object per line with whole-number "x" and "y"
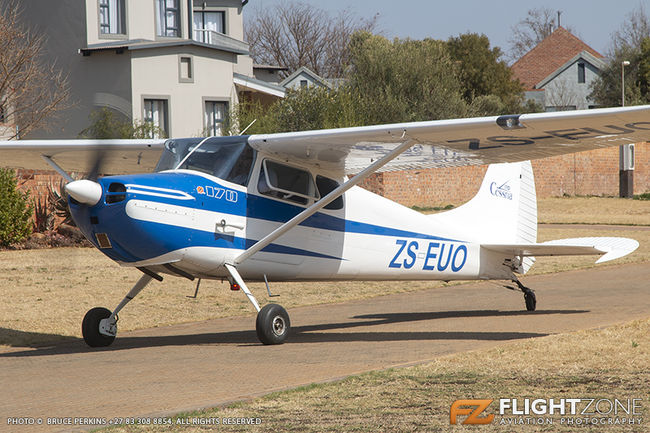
{"x": 119, "y": 156}
{"x": 457, "y": 142}
{"x": 610, "y": 248}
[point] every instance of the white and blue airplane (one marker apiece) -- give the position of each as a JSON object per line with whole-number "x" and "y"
{"x": 280, "y": 207}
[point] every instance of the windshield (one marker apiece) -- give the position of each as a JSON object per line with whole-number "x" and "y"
{"x": 228, "y": 158}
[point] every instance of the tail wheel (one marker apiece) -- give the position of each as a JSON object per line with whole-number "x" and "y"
{"x": 531, "y": 300}
{"x": 90, "y": 328}
{"x": 272, "y": 324}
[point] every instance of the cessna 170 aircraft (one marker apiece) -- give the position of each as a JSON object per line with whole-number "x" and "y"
{"x": 285, "y": 207}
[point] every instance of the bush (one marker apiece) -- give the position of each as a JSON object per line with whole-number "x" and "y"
{"x": 107, "y": 124}
{"x": 15, "y": 212}
{"x": 59, "y": 202}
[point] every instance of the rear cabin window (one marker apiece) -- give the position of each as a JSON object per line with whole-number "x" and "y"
{"x": 326, "y": 185}
{"x": 286, "y": 183}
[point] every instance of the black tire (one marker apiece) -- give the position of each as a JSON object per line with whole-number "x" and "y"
{"x": 531, "y": 300}
{"x": 272, "y": 324}
{"x": 90, "y": 328}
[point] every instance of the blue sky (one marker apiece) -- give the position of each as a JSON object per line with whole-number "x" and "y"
{"x": 591, "y": 20}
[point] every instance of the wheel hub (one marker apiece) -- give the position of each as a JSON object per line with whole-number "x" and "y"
{"x": 278, "y": 325}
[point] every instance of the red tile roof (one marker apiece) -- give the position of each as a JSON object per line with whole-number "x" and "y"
{"x": 554, "y": 51}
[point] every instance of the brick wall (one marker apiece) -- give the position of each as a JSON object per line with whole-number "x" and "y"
{"x": 37, "y": 182}
{"x": 585, "y": 173}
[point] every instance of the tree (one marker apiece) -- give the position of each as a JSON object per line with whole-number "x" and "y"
{"x": 527, "y": 33}
{"x": 304, "y": 108}
{"x": 105, "y": 123}
{"x": 319, "y": 108}
{"x": 632, "y": 33}
{"x": 644, "y": 68}
{"x": 15, "y": 213}
{"x": 482, "y": 73}
{"x": 31, "y": 91}
{"x": 630, "y": 43}
{"x": 398, "y": 81}
{"x": 404, "y": 80}
{"x": 295, "y": 34}
{"x": 606, "y": 89}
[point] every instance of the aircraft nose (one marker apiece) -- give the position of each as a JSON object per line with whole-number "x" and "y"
{"x": 85, "y": 191}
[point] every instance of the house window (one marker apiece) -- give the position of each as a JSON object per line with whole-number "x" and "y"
{"x": 156, "y": 114}
{"x": 208, "y": 23}
{"x": 581, "y": 72}
{"x": 168, "y": 18}
{"x": 112, "y": 17}
{"x": 2, "y": 114}
{"x": 215, "y": 117}
{"x": 303, "y": 83}
{"x": 185, "y": 71}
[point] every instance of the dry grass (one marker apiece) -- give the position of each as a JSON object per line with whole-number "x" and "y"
{"x": 593, "y": 210}
{"x": 46, "y": 293}
{"x": 610, "y": 363}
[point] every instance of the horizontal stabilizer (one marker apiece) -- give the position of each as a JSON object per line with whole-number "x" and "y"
{"x": 610, "y": 248}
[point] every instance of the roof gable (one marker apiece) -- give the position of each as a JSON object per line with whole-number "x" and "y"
{"x": 549, "y": 55}
{"x": 584, "y": 57}
{"x": 306, "y": 71}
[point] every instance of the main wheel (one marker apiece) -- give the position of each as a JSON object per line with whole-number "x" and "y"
{"x": 531, "y": 301}
{"x": 272, "y": 324}
{"x": 90, "y": 328}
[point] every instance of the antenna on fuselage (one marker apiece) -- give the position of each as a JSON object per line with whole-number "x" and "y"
{"x": 192, "y": 151}
{"x": 249, "y": 125}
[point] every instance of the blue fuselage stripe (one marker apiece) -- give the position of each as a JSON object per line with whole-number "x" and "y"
{"x": 262, "y": 208}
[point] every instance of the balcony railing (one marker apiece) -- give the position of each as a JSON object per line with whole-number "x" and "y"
{"x": 206, "y": 36}
{"x": 220, "y": 40}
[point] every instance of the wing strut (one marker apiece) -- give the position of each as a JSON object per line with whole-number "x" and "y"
{"x": 58, "y": 168}
{"x": 333, "y": 195}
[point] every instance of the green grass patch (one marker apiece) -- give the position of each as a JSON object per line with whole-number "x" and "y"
{"x": 429, "y": 209}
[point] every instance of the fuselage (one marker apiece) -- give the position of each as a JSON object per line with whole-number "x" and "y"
{"x": 195, "y": 222}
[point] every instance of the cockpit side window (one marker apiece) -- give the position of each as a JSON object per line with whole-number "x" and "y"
{"x": 241, "y": 169}
{"x": 286, "y": 183}
{"x": 228, "y": 158}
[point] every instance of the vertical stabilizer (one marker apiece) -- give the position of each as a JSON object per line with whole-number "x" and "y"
{"x": 503, "y": 211}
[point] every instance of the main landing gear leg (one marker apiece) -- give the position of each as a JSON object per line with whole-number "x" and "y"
{"x": 99, "y": 326}
{"x": 272, "y": 324}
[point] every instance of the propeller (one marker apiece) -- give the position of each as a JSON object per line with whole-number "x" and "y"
{"x": 96, "y": 167}
{"x": 88, "y": 191}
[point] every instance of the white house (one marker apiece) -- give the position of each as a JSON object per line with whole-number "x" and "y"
{"x": 177, "y": 63}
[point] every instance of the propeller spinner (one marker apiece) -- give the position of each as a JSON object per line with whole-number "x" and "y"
{"x": 88, "y": 191}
